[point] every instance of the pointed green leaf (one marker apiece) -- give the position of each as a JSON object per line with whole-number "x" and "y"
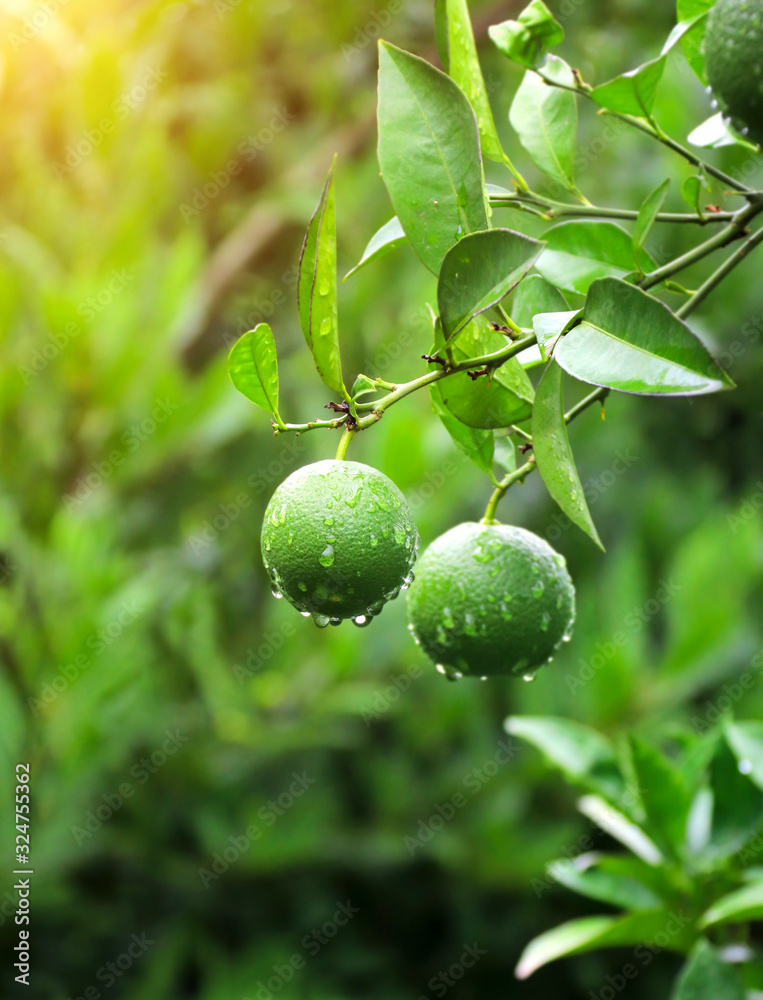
{"x": 553, "y": 453}
{"x": 505, "y": 452}
{"x": 476, "y": 444}
{"x": 737, "y": 907}
{"x": 546, "y": 120}
{"x": 464, "y": 68}
{"x": 502, "y": 399}
{"x": 647, "y": 217}
{"x": 631, "y": 342}
{"x": 479, "y": 271}
{"x": 316, "y": 290}
{"x": 633, "y": 93}
{"x": 693, "y": 40}
{"x": 746, "y": 742}
{"x": 528, "y": 39}
{"x": 387, "y": 238}
{"x": 738, "y": 804}
{"x": 590, "y": 933}
{"x": 582, "y": 874}
{"x": 691, "y": 192}
{"x": 253, "y": 368}
{"x": 617, "y": 825}
{"x": 429, "y": 153}
{"x": 582, "y": 754}
{"x": 663, "y": 794}
{"x": 577, "y": 253}
{"x": 705, "y": 976}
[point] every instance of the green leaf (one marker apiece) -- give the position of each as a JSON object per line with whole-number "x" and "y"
{"x": 528, "y": 39}
{"x": 705, "y": 976}
{"x": 633, "y": 93}
{"x": 535, "y": 295}
{"x": 499, "y": 400}
{"x": 553, "y": 453}
{"x": 647, "y": 217}
{"x": 577, "y": 253}
{"x": 716, "y": 132}
{"x": 590, "y": 933}
{"x": 253, "y": 368}
{"x": 474, "y": 443}
{"x": 738, "y": 804}
{"x": 691, "y": 192}
{"x": 746, "y": 742}
{"x": 582, "y": 875}
{"x": 549, "y": 327}
{"x": 737, "y": 907}
{"x": 387, "y": 238}
{"x": 631, "y": 342}
{"x": 663, "y": 794}
{"x": 464, "y": 68}
{"x": 546, "y": 120}
{"x": 363, "y": 386}
{"x": 429, "y": 153}
{"x": 479, "y": 271}
{"x": 316, "y": 290}
{"x": 505, "y": 452}
{"x": 693, "y": 40}
{"x": 617, "y": 825}
{"x": 583, "y": 755}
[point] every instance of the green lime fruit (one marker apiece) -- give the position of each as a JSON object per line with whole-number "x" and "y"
{"x": 339, "y": 541}
{"x": 733, "y": 48}
{"x": 490, "y": 599}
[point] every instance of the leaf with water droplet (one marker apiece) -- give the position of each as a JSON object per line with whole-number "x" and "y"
{"x": 316, "y": 290}
{"x": 253, "y": 367}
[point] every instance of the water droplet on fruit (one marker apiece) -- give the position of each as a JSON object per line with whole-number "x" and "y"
{"x": 745, "y": 767}
{"x": 400, "y": 535}
{"x": 447, "y": 618}
{"x": 361, "y": 621}
{"x": 305, "y": 614}
{"x": 538, "y": 589}
{"x": 321, "y": 620}
{"x": 335, "y": 621}
{"x": 373, "y": 540}
{"x": 276, "y": 593}
{"x": 545, "y": 622}
{"x": 714, "y": 104}
{"x": 326, "y": 558}
{"x": 528, "y": 677}
{"x": 440, "y": 669}
{"x": 328, "y": 520}
{"x": 483, "y": 678}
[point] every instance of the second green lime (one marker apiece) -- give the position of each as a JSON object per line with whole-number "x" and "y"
{"x": 491, "y": 599}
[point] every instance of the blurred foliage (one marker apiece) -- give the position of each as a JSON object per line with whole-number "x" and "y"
{"x": 138, "y": 137}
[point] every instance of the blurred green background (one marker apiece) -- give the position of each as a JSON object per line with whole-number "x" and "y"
{"x": 160, "y": 163}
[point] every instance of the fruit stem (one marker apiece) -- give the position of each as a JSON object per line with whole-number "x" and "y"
{"x": 519, "y": 475}
{"x": 344, "y": 443}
